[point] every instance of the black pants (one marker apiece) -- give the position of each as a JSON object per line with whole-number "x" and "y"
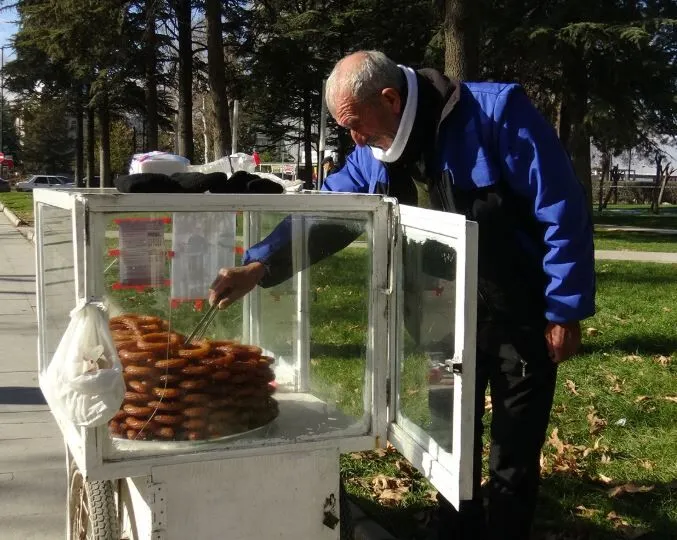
{"x": 522, "y": 381}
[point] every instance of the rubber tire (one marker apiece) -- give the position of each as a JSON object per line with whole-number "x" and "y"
{"x": 103, "y": 517}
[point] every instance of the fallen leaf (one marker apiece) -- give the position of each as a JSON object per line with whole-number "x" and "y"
{"x": 405, "y": 467}
{"x": 586, "y": 512}
{"x": 357, "y": 455}
{"x": 392, "y": 497}
{"x": 605, "y": 459}
{"x": 639, "y": 399}
{"x": 591, "y": 331}
{"x": 314, "y": 362}
{"x": 646, "y": 464}
{"x": 667, "y": 309}
{"x": 487, "y": 403}
{"x": 621, "y": 422}
{"x": 595, "y": 423}
{"x": 662, "y": 360}
{"x": 631, "y": 358}
{"x": 670, "y": 398}
{"x": 604, "y": 479}
{"x": 555, "y": 442}
{"x": 628, "y": 488}
{"x": 571, "y": 386}
{"x": 379, "y": 452}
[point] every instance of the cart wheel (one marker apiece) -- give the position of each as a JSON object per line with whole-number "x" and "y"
{"x": 92, "y": 513}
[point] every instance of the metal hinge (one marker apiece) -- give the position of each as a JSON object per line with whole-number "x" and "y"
{"x": 158, "y": 504}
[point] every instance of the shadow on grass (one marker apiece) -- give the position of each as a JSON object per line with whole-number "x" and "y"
{"x": 633, "y": 344}
{"x": 659, "y": 277}
{"x": 631, "y": 237}
{"x": 560, "y": 495}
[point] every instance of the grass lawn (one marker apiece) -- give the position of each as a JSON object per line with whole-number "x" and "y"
{"x": 610, "y": 464}
{"x": 635, "y": 241}
{"x": 637, "y": 216}
{"x": 610, "y": 469}
{"x": 19, "y": 203}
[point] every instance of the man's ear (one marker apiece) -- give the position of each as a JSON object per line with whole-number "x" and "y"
{"x": 393, "y": 100}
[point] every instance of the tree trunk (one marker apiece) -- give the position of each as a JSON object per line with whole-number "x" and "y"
{"x": 104, "y": 146}
{"x": 307, "y": 140}
{"x": 150, "y": 65}
{"x": 79, "y": 139}
{"x": 666, "y": 176}
{"x": 657, "y": 181}
{"x": 185, "y": 117}
{"x": 573, "y": 132}
{"x": 606, "y": 166}
{"x": 91, "y": 165}
{"x": 461, "y": 36}
{"x": 217, "y": 78}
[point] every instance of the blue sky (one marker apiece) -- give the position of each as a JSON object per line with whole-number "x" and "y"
{"x": 8, "y": 18}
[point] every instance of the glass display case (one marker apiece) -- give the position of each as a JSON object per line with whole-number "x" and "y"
{"x": 362, "y": 332}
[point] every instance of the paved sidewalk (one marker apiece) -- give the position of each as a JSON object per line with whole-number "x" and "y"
{"x": 32, "y": 455}
{"x": 636, "y": 256}
{"x": 632, "y": 228}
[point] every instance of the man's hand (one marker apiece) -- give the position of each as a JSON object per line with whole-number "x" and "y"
{"x": 233, "y": 283}
{"x": 563, "y": 340}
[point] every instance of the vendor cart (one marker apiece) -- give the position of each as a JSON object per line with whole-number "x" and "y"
{"x": 370, "y": 344}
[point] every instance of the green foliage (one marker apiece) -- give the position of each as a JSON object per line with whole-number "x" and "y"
{"x": 47, "y": 146}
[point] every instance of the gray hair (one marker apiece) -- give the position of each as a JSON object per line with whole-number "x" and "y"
{"x": 374, "y": 72}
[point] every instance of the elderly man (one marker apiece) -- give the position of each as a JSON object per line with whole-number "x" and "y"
{"x": 484, "y": 151}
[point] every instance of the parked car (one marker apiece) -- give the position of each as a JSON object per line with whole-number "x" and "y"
{"x": 4, "y": 186}
{"x": 44, "y": 181}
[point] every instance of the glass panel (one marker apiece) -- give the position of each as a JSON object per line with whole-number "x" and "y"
{"x": 426, "y": 391}
{"x": 230, "y": 389}
{"x": 58, "y": 276}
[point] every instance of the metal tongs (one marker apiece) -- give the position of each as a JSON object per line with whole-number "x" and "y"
{"x": 202, "y": 325}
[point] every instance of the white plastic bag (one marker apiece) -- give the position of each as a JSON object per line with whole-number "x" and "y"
{"x": 158, "y": 162}
{"x": 84, "y": 378}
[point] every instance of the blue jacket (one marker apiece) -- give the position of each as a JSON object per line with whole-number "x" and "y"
{"x": 494, "y": 136}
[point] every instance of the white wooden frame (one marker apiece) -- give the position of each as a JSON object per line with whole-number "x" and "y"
{"x": 449, "y": 472}
{"x": 91, "y": 447}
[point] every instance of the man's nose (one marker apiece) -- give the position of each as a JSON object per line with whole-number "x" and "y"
{"x": 360, "y": 140}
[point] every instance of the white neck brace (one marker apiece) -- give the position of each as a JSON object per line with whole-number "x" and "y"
{"x": 406, "y": 123}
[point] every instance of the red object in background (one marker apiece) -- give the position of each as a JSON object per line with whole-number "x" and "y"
{"x": 257, "y": 159}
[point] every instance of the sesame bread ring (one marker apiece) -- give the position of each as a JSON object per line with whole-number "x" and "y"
{"x": 164, "y": 432}
{"x": 143, "y": 387}
{"x": 143, "y": 371}
{"x": 199, "y": 349}
{"x": 169, "y": 379}
{"x": 134, "y": 435}
{"x": 133, "y": 354}
{"x": 166, "y": 406}
{"x": 196, "y": 399}
{"x": 166, "y": 393}
{"x": 194, "y": 424}
{"x": 168, "y": 419}
{"x": 140, "y": 424}
{"x": 196, "y": 412}
{"x": 158, "y": 341}
{"x": 223, "y": 360}
{"x": 221, "y": 375}
{"x": 137, "y": 397}
{"x": 196, "y": 370}
{"x": 194, "y": 384}
{"x": 120, "y": 415}
{"x": 171, "y": 363}
{"x": 137, "y": 411}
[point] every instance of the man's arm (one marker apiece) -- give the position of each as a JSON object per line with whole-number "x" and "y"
{"x": 269, "y": 262}
{"x": 537, "y": 168}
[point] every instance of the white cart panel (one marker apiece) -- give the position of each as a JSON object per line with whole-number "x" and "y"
{"x": 434, "y": 343}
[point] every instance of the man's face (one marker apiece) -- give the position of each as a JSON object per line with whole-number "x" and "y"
{"x": 372, "y": 123}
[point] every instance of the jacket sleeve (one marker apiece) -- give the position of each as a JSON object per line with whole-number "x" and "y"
{"x": 325, "y": 239}
{"x": 536, "y": 166}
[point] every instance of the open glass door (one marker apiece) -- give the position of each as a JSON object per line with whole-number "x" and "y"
{"x": 431, "y": 409}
